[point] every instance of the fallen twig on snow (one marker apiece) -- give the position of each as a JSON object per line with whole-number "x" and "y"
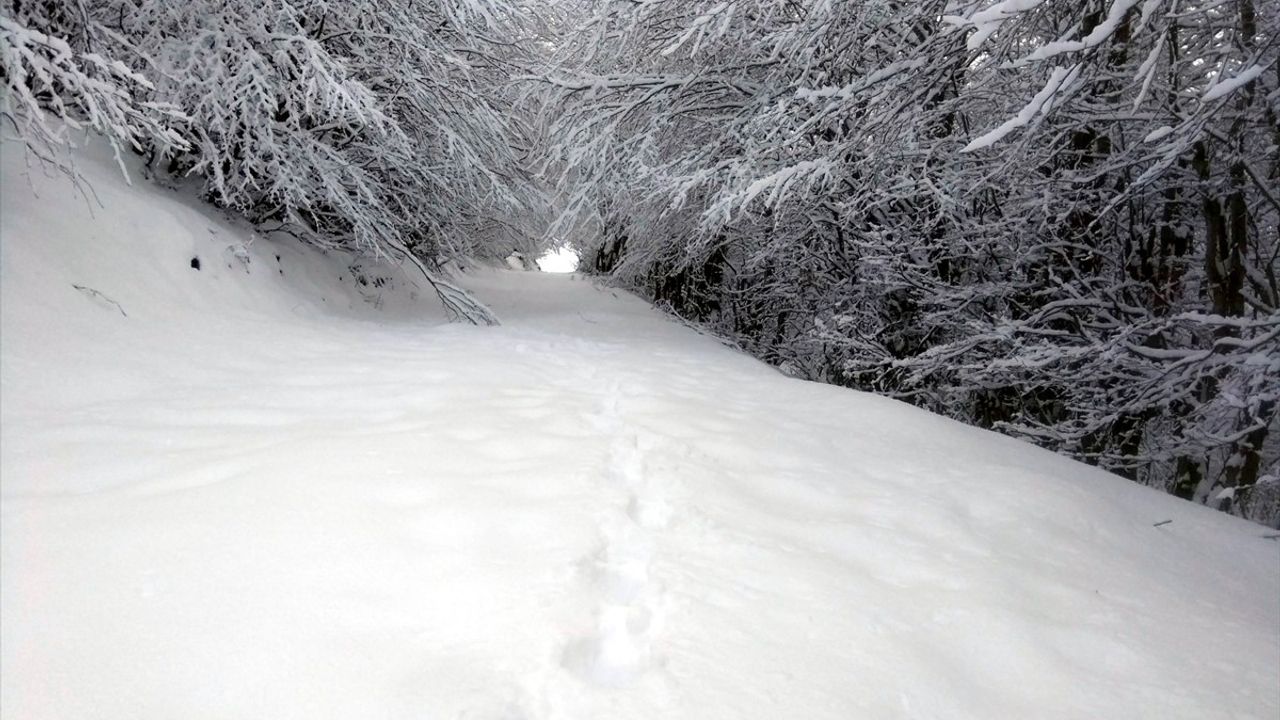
{"x": 95, "y": 294}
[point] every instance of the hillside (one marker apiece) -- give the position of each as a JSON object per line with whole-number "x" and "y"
{"x": 276, "y": 486}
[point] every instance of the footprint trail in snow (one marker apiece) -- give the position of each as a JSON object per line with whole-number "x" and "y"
{"x": 632, "y": 604}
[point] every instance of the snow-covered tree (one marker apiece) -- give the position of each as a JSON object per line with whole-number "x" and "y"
{"x": 385, "y": 127}
{"x": 1054, "y": 219}
{"x": 52, "y": 88}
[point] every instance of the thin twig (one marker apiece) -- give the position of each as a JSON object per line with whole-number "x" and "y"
{"x": 94, "y": 293}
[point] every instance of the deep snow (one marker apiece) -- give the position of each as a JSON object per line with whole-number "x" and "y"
{"x": 262, "y": 489}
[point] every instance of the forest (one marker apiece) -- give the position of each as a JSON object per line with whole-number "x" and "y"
{"x": 1059, "y": 220}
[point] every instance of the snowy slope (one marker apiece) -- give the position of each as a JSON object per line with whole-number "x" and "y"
{"x": 254, "y": 494}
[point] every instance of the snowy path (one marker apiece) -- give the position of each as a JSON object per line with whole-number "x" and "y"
{"x": 242, "y": 501}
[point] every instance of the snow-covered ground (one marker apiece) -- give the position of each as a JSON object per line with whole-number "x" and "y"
{"x": 263, "y": 489}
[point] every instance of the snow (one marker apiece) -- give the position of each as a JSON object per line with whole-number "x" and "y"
{"x": 988, "y": 20}
{"x": 848, "y": 91}
{"x": 264, "y": 489}
{"x": 777, "y": 183}
{"x": 1100, "y": 34}
{"x": 1059, "y": 81}
{"x": 516, "y": 261}
{"x": 1230, "y": 85}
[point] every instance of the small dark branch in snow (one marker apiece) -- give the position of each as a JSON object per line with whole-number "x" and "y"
{"x": 1272, "y": 536}
{"x": 95, "y": 294}
{"x": 458, "y": 303}
{"x": 1162, "y": 522}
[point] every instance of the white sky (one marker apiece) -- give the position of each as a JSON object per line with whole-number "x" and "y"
{"x": 559, "y": 260}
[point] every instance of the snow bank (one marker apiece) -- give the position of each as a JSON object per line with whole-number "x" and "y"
{"x": 256, "y": 494}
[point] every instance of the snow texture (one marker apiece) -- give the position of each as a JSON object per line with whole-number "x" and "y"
{"x": 1230, "y": 85}
{"x": 259, "y": 490}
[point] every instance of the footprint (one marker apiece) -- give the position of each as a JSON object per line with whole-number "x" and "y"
{"x": 649, "y": 511}
{"x": 625, "y": 563}
{"x": 617, "y": 653}
{"x": 626, "y": 462}
{"x": 618, "y": 650}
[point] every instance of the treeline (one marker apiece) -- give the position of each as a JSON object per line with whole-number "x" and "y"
{"x": 1060, "y": 220}
{"x": 383, "y": 126}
